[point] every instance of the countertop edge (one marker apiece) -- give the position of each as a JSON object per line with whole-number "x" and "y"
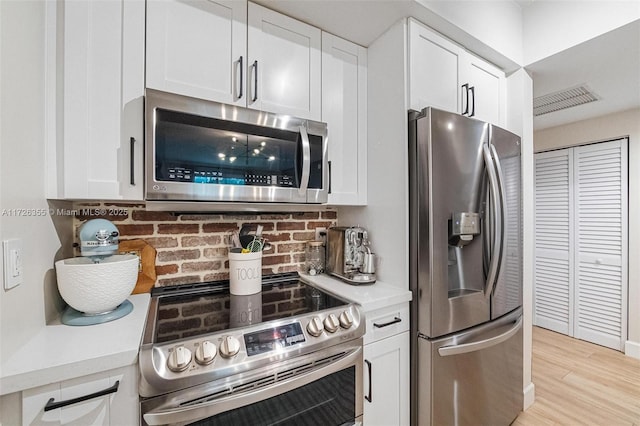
{"x": 370, "y": 296}
{"x": 72, "y": 364}
{"x": 59, "y": 373}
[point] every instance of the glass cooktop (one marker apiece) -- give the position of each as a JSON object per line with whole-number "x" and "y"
{"x": 196, "y": 309}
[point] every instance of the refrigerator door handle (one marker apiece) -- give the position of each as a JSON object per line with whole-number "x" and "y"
{"x": 481, "y": 344}
{"x": 503, "y": 207}
{"x": 496, "y": 199}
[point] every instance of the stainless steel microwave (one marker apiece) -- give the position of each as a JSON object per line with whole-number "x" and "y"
{"x": 197, "y": 150}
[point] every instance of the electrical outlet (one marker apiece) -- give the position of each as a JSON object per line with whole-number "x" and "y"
{"x": 12, "y": 256}
{"x": 321, "y": 234}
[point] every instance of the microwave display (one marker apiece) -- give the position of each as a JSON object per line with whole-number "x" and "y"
{"x": 204, "y": 150}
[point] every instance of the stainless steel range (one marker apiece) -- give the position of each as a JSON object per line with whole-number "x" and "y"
{"x": 288, "y": 355}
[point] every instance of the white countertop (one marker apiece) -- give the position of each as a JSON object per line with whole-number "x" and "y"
{"x": 369, "y": 296}
{"x": 61, "y": 352}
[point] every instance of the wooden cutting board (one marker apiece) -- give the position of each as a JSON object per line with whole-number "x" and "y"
{"x": 147, "y": 266}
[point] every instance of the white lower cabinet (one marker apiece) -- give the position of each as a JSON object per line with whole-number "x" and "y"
{"x": 386, "y": 367}
{"x": 106, "y": 402}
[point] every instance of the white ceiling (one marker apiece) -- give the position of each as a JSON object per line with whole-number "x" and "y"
{"x": 609, "y": 65}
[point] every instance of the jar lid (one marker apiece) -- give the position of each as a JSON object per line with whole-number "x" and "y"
{"x": 315, "y": 243}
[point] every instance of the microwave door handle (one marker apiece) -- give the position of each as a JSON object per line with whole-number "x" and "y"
{"x": 492, "y": 273}
{"x": 306, "y": 161}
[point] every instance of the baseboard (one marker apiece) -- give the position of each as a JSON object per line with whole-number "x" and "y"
{"x": 529, "y": 395}
{"x": 632, "y": 349}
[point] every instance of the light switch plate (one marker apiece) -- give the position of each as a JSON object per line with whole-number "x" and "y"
{"x": 12, "y": 266}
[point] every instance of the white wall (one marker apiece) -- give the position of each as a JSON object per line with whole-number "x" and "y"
{"x": 552, "y": 26}
{"x": 22, "y": 183}
{"x": 626, "y": 123}
{"x": 520, "y": 121}
{"x": 386, "y": 215}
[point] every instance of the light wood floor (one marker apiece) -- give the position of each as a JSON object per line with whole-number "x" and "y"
{"x": 579, "y": 383}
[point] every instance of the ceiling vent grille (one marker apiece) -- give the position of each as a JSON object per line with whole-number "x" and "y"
{"x": 562, "y": 100}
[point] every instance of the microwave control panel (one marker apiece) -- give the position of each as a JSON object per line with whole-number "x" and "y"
{"x": 185, "y": 174}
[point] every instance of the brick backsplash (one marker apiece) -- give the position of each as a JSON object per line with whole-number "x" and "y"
{"x": 194, "y": 247}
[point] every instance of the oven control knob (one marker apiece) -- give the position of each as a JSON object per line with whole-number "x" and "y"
{"x": 179, "y": 359}
{"x": 315, "y": 327}
{"x": 346, "y": 320}
{"x": 331, "y": 323}
{"x": 229, "y": 347}
{"x": 205, "y": 353}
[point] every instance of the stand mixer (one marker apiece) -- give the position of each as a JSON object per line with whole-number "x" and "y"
{"x": 98, "y": 239}
{"x": 96, "y": 284}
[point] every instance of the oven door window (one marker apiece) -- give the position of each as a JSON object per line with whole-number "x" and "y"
{"x": 329, "y": 401}
{"x": 194, "y": 149}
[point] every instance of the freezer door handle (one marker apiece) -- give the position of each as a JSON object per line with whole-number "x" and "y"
{"x": 481, "y": 344}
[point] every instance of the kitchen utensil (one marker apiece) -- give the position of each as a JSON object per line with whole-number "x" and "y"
{"x": 255, "y": 245}
{"x": 235, "y": 240}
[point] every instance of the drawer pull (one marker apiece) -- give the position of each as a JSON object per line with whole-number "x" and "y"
{"x": 51, "y": 405}
{"x": 369, "y": 397}
{"x": 386, "y": 324}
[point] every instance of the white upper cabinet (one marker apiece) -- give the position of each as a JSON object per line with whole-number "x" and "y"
{"x": 284, "y": 64}
{"x": 433, "y": 70}
{"x": 486, "y": 93}
{"x": 198, "y": 48}
{"x": 101, "y": 64}
{"x": 445, "y": 76}
{"x": 344, "y": 109}
{"x": 205, "y": 49}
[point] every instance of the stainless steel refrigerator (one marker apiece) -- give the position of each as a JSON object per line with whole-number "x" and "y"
{"x": 465, "y": 270}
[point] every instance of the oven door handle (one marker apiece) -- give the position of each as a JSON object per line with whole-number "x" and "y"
{"x": 186, "y": 414}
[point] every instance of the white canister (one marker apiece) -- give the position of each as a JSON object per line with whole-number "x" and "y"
{"x": 245, "y": 272}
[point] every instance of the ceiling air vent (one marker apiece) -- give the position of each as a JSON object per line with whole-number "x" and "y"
{"x": 561, "y": 100}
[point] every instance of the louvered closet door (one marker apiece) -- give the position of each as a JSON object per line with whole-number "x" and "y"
{"x": 553, "y": 301}
{"x": 601, "y": 243}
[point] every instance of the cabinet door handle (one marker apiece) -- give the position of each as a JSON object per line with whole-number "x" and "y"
{"x": 240, "y": 63}
{"x": 369, "y": 367}
{"x": 132, "y": 163}
{"x": 465, "y": 95}
{"x": 255, "y": 81}
{"x": 472, "y": 89}
{"x": 329, "y": 165}
{"x": 51, "y": 405}
{"x": 387, "y": 324}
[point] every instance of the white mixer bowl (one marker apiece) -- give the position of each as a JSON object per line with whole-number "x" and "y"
{"x": 95, "y": 288}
